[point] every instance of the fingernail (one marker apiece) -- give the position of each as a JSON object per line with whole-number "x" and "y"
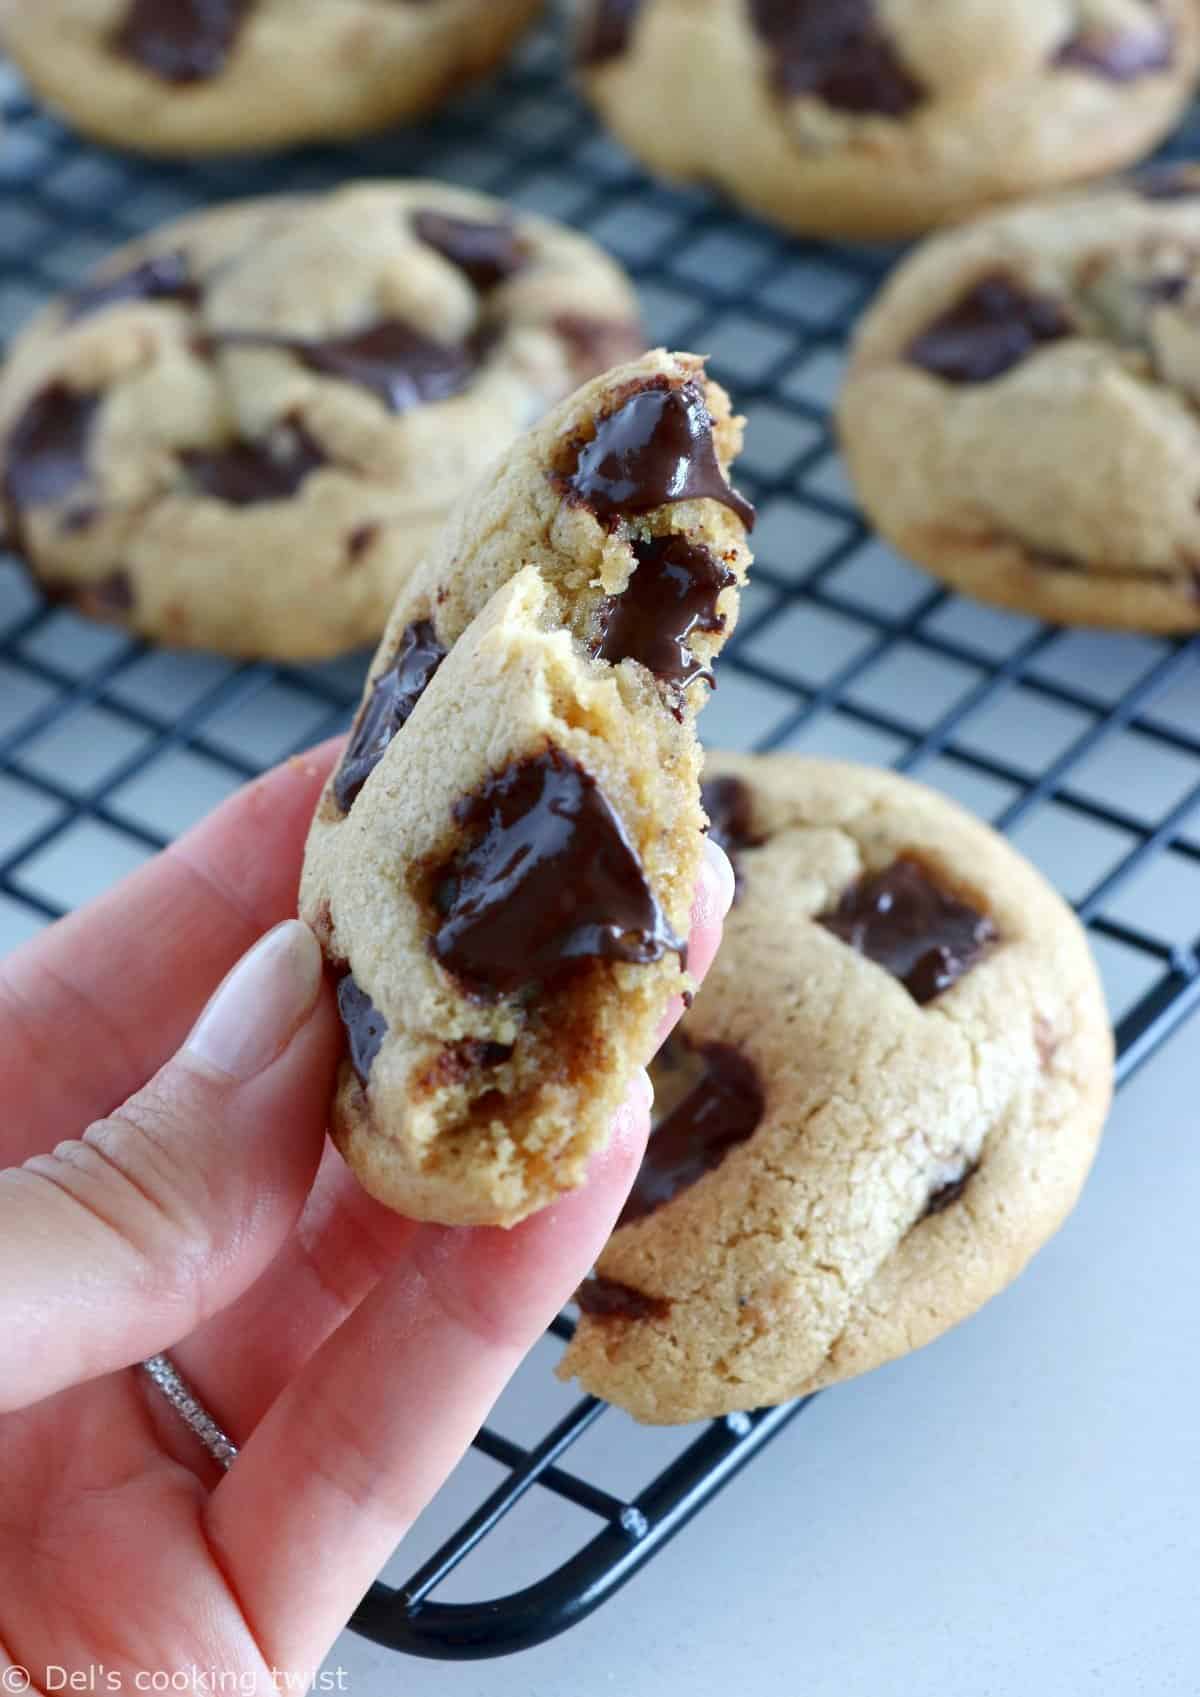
{"x": 641, "y": 1086}
{"x": 263, "y": 1002}
{"x": 717, "y": 862}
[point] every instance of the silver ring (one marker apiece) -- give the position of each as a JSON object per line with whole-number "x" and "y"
{"x": 162, "y": 1372}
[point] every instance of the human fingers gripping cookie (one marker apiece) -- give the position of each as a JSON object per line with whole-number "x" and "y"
{"x": 214, "y": 76}
{"x": 884, "y": 117}
{"x": 244, "y": 432}
{"x": 502, "y": 867}
{"x": 884, "y": 1100}
{"x": 1020, "y": 409}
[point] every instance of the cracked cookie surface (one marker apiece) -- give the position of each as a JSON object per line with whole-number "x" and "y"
{"x": 214, "y": 76}
{"x": 243, "y": 432}
{"x": 1021, "y": 412}
{"x": 885, "y": 1098}
{"x": 502, "y": 866}
{"x": 886, "y": 117}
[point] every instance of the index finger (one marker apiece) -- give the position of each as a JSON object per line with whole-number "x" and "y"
{"x": 92, "y": 1008}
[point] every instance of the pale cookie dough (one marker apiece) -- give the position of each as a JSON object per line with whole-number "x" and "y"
{"x": 886, "y": 117}
{"x": 215, "y": 76}
{"x": 245, "y": 431}
{"x": 1022, "y": 409}
{"x": 885, "y": 1099}
{"x": 501, "y": 868}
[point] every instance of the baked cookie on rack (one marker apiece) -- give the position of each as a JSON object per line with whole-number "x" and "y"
{"x": 501, "y": 868}
{"x": 1020, "y": 411}
{"x": 886, "y": 1097}
{"x": 216, "y": 76}
{"x": 884, "y": 117}
{"x": 244, "y": 431}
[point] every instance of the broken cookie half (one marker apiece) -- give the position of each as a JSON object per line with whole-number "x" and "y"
{"x": 501, "y": 868}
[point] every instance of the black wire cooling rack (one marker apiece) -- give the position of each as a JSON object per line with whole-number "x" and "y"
{"x": 1085, "y": 742}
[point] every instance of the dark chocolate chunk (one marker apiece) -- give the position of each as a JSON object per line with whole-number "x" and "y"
{"x": 181, "y": 41}
{"x": 1172, "y": 181}
{"x": 728, "y": 803}
{"x": 548, "y": 882}
{"x": 394, "y": 695}
{"x": 654, "y": 449}
{"x": 946, "y": 1194}
{"x": 722, "y": 1108}
{"x": 597, "y": 344}
{"x": 607, "y": 31}
{"x": 991, "y": 328}
{"x": 902, "y": 920}
{"x": 673, "y": 592}
{"x": 400, "y": 365}
{"x": 838, "y": 52}
{"x": 1122, "y": 55}
{"x": 366, "y": 1027}
{"x": 244, "y": 473}
{"x": 605, "y": 1299}
{"x": 487, "y": 254}
{"x": 161, "y": 278}
{"x": 46, "y": 450}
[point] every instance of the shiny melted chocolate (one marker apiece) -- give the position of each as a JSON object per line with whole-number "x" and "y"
{"x": 46, "y": 454}
{"x": 181, "y": 41}
{"x": 549, "y": 880}
{"x": 992, "y": 328}
{"x": 597, "y": 344}
{"x": 729, "y": 806}
{"x": 486, "y": 254}
{"x": 836, "y": 51}
{"x": 903, "y": 921}
{"x": 401, "y": 366}
{"x": 165, "y": 277}
{"x": 244, "y": 473}
{"x": 607, "y": 31}
{"x": 393, "y": 696}
{"x": 365, "y": 1026}
{"x": 656, "y": 448}
{"x": 721, "y": 1108}
{"x": 673, "y": 592}
{"x": 606, "y": 1299}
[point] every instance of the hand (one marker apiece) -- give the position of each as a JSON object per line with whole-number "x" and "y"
{"x": 351, "y": 1354}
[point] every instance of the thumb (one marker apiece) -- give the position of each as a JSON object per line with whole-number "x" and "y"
{"x": 118, "y": 1244}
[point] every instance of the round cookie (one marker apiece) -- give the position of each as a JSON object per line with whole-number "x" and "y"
{"x": 245, "y": 431}
{"x": 885, "y": 1099}
{"x": 215, "y": 76}
{"x": 1020, "y": 413}
{"x": 502, "y": 866}
{"x": 882, "y": 118}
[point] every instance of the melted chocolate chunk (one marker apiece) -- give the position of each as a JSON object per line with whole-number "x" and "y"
{"x": 162, "y": 278}
{"x": 46, "y": 451}
{"x": 394, "y": 695}
{"x": 838, "y": 52}
{"x": 597, "y": 344}
{"x": 949, "y": 1193}
{"x": 1121, "y": 55}
{"x": 607, "y": 31}
{"x": 486, "y": 254}
{"x": 549, "y": 882}
{"x": 181, "y": 41}
{"x": 605, "y": 1299}
{"x": 673, "y": 592}
{"x": 395, "y": 362}
{"x": 993, "y": 327}
{"x": 366, "y": 1027}
{"x": 244, "y": 473}
{"x": 901, "y": 920}
{"x": 655, "y": 449}
{"x": 728, "y": 803}
{"x": 723, "y": 1108}
{"x": 1167, "y": 182}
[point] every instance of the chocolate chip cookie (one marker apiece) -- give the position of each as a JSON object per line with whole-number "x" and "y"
{"x": 501, "y": 868}
{"x": 1022, "y": 409}
{"x": 886, "y": 1097}
{"x": 885, "y": 117}
{"x": 244, "y": 432}
{"x": 215, "y": 76}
